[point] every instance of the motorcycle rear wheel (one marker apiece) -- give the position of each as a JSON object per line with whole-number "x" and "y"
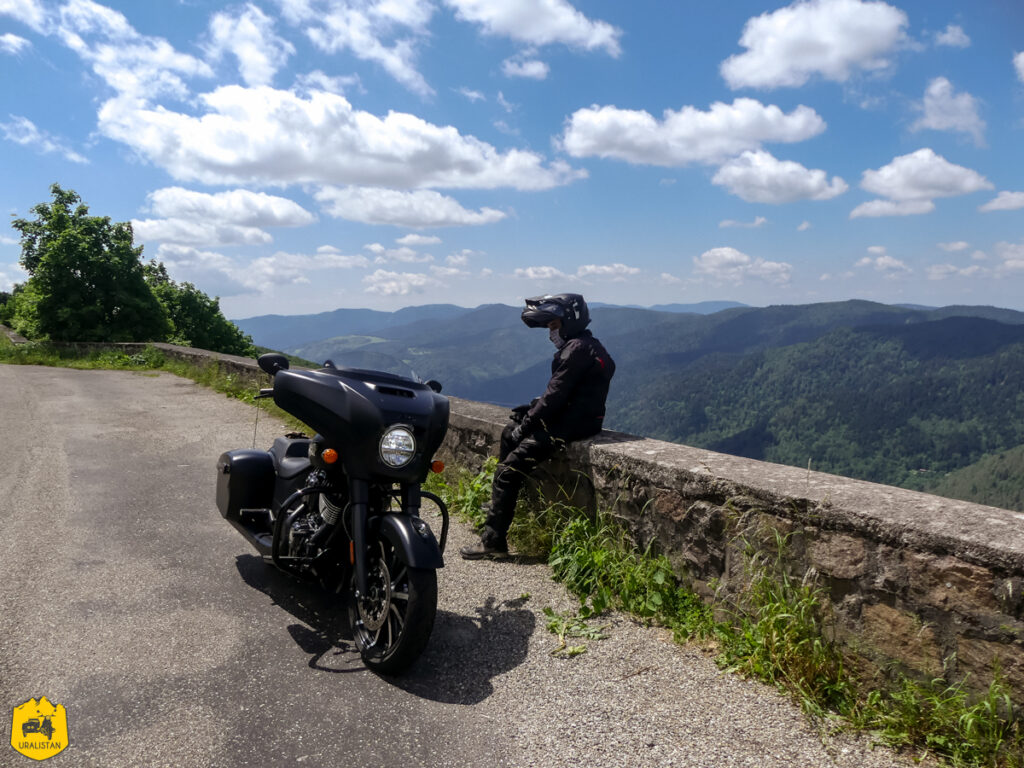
{"x": 392, "y": 623}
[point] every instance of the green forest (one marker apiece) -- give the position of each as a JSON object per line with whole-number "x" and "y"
{"x": 87, "y": 282}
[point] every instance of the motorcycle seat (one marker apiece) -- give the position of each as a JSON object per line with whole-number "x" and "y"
{"x": 290, "y": 456}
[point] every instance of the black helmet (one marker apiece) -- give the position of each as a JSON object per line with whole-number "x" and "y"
{"x": 570, "y": 308}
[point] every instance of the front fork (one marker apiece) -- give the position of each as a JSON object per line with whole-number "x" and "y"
{"x": 359, "y": 498}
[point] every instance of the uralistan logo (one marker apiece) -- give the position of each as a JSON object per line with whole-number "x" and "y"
{"x": 39, "y": 729}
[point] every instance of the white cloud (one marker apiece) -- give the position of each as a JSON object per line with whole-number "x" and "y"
{"x": 758, "y": 177}
{"x": 1018, "y": 64}
{"x": 1004, "y": 201}
{"x": 461, "y": 258}
{"x": 415, "y": 240}
{"x": 665, "y": 277}
{"x": 404, "y": 254}
{"x": 23, "y": 131}
{"x": 539, "y": 22}
{"x": 615, "y": 271}
{"x": 687, "y": 136}
{"x": 5, "y": 240}
{"x": 239, "y": 206}
{"x": 1012, "y": 255}
{"x": 11, "y": 274}
{"x": 758, "y": 222}
{"x": 959, "y": 245}
{"x": 30, "y": 12}
{"x": 911, "y": 182}
{"x": 881, "y": 261}
{"x": 946, "y": 271}
{"x": 385, "y": 32}
{"x": 945, "y": 110}
{"x": 397, "y": 283}
{"x": 136, "y": 66}
{"x": 249, "y": 35}
{"x": 295, "y": 268}
{"x": 13, "y": 44}
{"x": 267, "y": 136}
{"x": 953, "y": 36}
{"x": 213, "y": 273}
{"x": 540, "y": 273}
{"x": 224, "y": 218}
{"x": 804, "y": 226}
{"x": 421, "y": 208}
{"x": 318, "y": 81}
{"x": 442, "y": 272}
{"x": 730, "y": 265}
{"x": 532, "y": 69}
{"x": 197, "y": 232}
{"x": 471, "y": 94}
{"x": 831, "y": 38}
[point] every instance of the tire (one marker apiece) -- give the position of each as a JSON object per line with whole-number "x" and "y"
{"x": 392, "y": 624}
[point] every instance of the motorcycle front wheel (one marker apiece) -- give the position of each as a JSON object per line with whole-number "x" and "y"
{"x": 391, "y": 624}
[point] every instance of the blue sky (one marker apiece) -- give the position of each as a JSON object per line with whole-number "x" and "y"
{"x": 296, "y": 156}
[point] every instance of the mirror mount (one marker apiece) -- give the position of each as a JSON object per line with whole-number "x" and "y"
{"x": 272, "y": 362}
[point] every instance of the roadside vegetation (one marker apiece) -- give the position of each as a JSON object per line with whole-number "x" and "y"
{"x": 776, "y": 631}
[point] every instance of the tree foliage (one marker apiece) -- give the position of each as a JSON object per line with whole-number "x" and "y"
{"x": 87, "y": 282}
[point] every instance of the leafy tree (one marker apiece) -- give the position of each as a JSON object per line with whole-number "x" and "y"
{"x": 195, "y": 318}
{"x": 86, "y": 280}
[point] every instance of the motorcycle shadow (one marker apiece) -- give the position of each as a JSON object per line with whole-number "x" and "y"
{"x": 463, "y": 656}
{"x": 466, "y": 653}
{"x": 324, "y": 633}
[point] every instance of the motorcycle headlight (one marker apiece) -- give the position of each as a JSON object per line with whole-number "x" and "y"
{"x": 397, "y": 447}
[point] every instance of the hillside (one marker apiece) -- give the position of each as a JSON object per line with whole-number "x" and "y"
{"x": 899, "y": 395}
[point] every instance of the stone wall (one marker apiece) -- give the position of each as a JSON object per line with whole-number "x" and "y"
{"x": 928, "y": 585}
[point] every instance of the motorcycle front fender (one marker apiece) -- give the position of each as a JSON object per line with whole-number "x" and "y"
{"x": 418, "y": 550}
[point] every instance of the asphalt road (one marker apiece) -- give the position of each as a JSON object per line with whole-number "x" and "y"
{"x": 125, "y": 597}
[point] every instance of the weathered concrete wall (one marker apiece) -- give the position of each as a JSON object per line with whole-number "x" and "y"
{"x": 929, "y": 585}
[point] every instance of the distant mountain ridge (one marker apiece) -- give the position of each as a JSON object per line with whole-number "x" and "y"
{"x": 894, "y": 394}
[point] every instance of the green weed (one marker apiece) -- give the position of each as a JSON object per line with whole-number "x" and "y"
{"x": 566, "y": 625}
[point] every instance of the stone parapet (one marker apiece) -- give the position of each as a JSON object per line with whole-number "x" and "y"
{"x": 924, "y": 584}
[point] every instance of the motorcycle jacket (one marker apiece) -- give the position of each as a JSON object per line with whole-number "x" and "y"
{"x": 572, "y": 406}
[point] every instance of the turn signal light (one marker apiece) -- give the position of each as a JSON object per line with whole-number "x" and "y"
{"x": 437, "y": 467}
{"x": 329, "y": 456}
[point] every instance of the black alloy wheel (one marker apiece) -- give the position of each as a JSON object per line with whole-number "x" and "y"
{"x": 391, "y": 624}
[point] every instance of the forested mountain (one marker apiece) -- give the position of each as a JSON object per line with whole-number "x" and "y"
{"x": 931, "y": 399}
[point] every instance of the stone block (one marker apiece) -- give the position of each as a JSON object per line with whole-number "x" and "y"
{"x": 976, "y": 661}
{"x": 900, "y": 636}
{"x": 838, "y": 555}
{"x": 950, "y": 584}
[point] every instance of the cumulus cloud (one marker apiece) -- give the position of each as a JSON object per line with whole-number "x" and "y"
{"x": 959, "y": 245}
{"x": 421, "y": 208}
{"x": 882, "y": 262}
{"x": 213, "y": 272}
{"x": 388, "y": 283}
{"x": 1012, "y": 255}
{"x": 30, "y": 12}
{"x": 911, "y": 182}
{"x": 296, "y": 268}
{"x": 830, "y": 38}
{"x": 415, "y": 240}
{"x": 946, "y": 271}
{"x": 758, "y": 222}
{"x": 23, "y": 131}
{"x": 539, "y": 22}
{"x": 1004, "y": 201}
{"x": 945, "y": 110}
{"x": 137, "y": 66}
{"x": 530, "y": 68}
{"x": 13, "y": 44}
{"x": 733, "y": 266}
{"x": 224, "y": 218}
{"x": 403, "y": 254}
{"x": 1018, "y": 64}
{"x": 249, "y": 36}
{"x": 615, "y": 271}
{"x": 540, "y": 273}
{"x": 804, "y": 226}
{"x": 318, "y": 81}
{"x": 386, "y": 32}
{"x": 266, "y": 136}
{"x": 687, "y": 136}
{"x": 953, "y": 36}
{"x": 758, "y": 177}
{"x": 461, "y": 258}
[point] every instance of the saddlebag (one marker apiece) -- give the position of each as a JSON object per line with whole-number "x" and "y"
{"x": 245, "y": 481}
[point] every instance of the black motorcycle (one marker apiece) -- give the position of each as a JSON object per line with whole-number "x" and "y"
{"x": 342, "y": 508}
